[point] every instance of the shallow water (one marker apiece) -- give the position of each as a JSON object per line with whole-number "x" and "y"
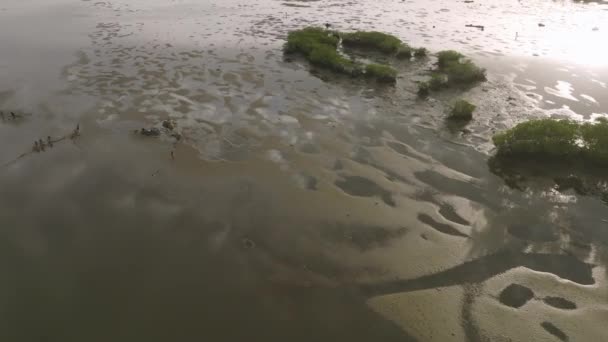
{"x": 299, "y": 205}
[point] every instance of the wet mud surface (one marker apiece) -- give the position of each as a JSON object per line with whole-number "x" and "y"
{"x": 296, "y": 204}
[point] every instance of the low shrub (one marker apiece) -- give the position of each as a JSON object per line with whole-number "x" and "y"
{"x": 382, "y": 42}
{"x": 448, "y": 56}
{"x": 382, "y": 73}
{"x": 420, "y": 52}
{"x": 404, "y": 52}
{"x": 424, "y": 89}
{"x": 560, "y": 140}
{"x": 462, "y": 110}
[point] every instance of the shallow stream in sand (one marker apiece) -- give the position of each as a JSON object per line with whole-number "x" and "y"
{"x": 300, "y": 206}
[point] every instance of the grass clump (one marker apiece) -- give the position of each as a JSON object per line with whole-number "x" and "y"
{"x": 383, "y": 42}
{"x": 404, "y": 52}
{"x": 448, "y": 57}
{"x": 595, "y": 137}
{"x": 424, "y": 90}
{"x": 319, "y": 48}
{"x": 458, "y": 69}
{"x": 437, "y": 81}
{"x": 381, "y": 73}
{"x": 420, "y": 52}
{"x": 462, "y": 110}
{"x": 308, "y": 39}
{"x": 559, "y": 140}
{"x": 453, "y": 69}
{"x": 464, "y": 72}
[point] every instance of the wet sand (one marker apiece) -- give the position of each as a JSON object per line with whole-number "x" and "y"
{"x": 299, "y": 205}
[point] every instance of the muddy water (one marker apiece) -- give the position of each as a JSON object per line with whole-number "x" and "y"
{"x": 299, "y": 205}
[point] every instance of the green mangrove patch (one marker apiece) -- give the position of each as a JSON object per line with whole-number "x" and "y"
{"x": 462, "y": 110}
{"x": 452, "y": 69}
{"x": 379, "y": 41}
{"x": 322, "y": 48}
{"x": 319, "y": 47}
{"x": 458, "y": 69}
{"x": 556, "y": 140}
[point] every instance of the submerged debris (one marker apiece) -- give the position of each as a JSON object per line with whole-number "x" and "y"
{"x": 481, "y": 27}
{"x": 150, "y": 132}
{"x": 169, "y": 124}
{"x": 248, "y": 243}
{"x": 76, "y": 132}
{"x": 11, "y": 116}
{"x": 40, "y": 146}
